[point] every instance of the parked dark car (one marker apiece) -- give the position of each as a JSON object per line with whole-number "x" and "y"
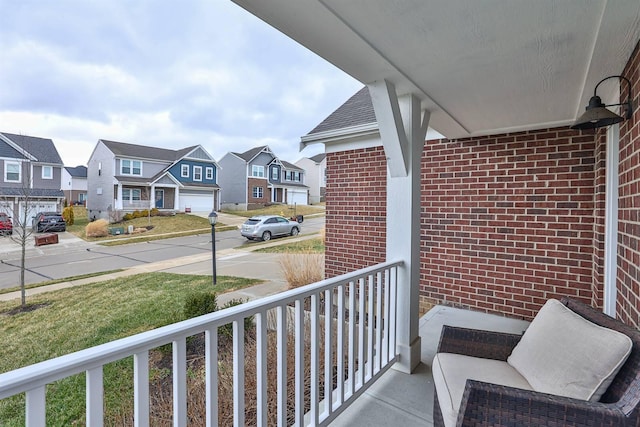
{"x": 44, "y": 222}
{"x": 263, "y": 227}
{"x": 6, "y": 226}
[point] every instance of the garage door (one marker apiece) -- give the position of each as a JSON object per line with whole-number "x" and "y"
{"x": 299, "y": 197}
{"x": 196, "y": 202}
{"x": 7, "y": 208}
{"x": 34, "y": 208}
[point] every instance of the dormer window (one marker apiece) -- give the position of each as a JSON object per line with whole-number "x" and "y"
{"x": 197, "y": 173}
{"x": 184, "y": 171}
{"x": 209, "y": 174}
{"x": 130, "y": 167}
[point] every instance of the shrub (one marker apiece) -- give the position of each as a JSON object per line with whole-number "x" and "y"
{"x": 68, "y": 215}
{"x": 98, "y": 228}
{"x": 201, "y": 303}
{"x": 302, "y": 269}
{"x": 127, "y": 217}
{"x": 155, "y": 211}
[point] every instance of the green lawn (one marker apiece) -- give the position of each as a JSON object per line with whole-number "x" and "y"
{"x": 309, "y": 246}
{"x": 85, "y": 316}
{"x": 284, "y": 210}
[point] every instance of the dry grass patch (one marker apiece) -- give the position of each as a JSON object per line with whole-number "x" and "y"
{"x": 302, "y": 268}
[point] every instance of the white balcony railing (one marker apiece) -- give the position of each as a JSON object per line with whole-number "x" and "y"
{"x": 347, "y": 322}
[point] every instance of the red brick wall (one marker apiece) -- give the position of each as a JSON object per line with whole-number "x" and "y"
{"x": 628, "y": 274}
{"x": 508, "y": 220}
{"x": 356, "y": 210}
{"x": 257, "y": 182}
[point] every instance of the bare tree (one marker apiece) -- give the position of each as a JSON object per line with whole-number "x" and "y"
{"x": 23, "y": 195}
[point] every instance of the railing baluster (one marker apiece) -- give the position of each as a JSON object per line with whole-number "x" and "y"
{"x": 141, "y": 389}
{"x": 95, "y": 397}
{"x": 328, "y": 351}
{"x": 314, "y": 371}
{"x": 340, "y": 347}
{"x": 361, "y": 333}
{"x": 378, "y": 322}
{"x": 180, "y": 382}
{"x": 282, "y": 364}
{"x": 385, "y": 323}
{"x": 261, "y": 367}
{"x": 370, "y": 327}
{"x": 351, "y": 380}
{"x": 211, "y": 375}
{"x": 238, "y": 372}
{"x": 392, "y": 313}
{"x": 36, "y": 407}
{"x": 299, "y": 371}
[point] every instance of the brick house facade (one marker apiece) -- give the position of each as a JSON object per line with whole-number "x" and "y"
{"x": 507, "y": 221}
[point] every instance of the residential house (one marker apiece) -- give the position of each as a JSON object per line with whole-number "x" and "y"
{"x": 258, "y": 177}
{"x": 31, "y": 171}
{"x": 507, "y": 208}
{"x": 125, "y": 177}
{"x": 315, "y": 168}
{"x": 74, "y": 184}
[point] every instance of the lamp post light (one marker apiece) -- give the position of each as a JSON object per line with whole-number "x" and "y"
{"x": 213, "y": 218}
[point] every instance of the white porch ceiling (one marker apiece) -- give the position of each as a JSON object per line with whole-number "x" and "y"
{"x": 480, "y": 66}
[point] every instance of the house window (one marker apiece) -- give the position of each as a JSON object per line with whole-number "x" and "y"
{"x": 257, "y": 192}
{"x": 12, "y": 172}
{"x": 209, "y": 173}
{"x": 131, "y": 194}
{"x": 297, "y": 176}
{"x": 197, "y": 173}
{"x": 184, "y": 171}
{"x": 275, "y": 174}
{"x": 257, "y": 171}
{"x": 130, "y": 167}
{"x": 47, "y": 172}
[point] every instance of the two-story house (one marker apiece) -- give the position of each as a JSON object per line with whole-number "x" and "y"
{"x": 126, "y": 177}
{"x": 257, "y": 178}
{"x": 74, "y": 184}
{"x": 30, "y": 173}
{"x": 315, "y": 168}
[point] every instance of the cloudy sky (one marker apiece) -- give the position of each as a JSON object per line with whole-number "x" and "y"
{"x": 160, "y": 73}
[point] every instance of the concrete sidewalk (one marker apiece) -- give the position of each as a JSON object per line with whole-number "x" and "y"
{"x": 229, "y": 262}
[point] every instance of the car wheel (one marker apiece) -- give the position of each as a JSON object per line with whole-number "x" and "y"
{"x": 294, "y": 231}
{"x": 266, "y": 236}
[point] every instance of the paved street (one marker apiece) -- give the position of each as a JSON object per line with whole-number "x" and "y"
{"x": 73, "y": 256}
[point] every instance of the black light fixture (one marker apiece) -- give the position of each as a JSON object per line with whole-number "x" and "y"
{"x": 597, "y": 115}
{"x": 213, "y": 218}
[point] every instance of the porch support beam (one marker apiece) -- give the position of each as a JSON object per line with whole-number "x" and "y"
{"x": 403, "y": 127}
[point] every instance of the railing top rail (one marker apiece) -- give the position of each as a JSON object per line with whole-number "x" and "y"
{"x": 39, "y": 374}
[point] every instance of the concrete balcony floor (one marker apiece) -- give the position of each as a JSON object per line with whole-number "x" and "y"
{"x": 398, "y": 399}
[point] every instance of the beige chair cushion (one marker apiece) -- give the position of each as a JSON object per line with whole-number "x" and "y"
{"x": 564, "y": 354}
{"x": 451, "y": 372}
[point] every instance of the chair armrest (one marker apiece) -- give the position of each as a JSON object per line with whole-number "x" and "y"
{"x": 485, "y": 404}
{"x": 477, "y": 343}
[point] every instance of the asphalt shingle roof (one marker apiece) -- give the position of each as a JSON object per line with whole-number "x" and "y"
{"x": 145, "y": 152}
{"x": 358, "y": 110}
{"x": 42, "y": 149}
{"x": 288, "y": 165}
{"x": 77, "y": 172}
{"x": 318, "y": 157}
{"x": 32, "y": 192}
{"x": 250, "y": 154}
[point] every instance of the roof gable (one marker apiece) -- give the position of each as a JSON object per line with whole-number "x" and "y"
{"x": 122, "y": 149}
{"x": 318, "y": 158}
{"x": 249, "y": 155}
{"x": 288, "y": 165}
{"x": 39, "y": 149}
{"x": 77, "y": 172}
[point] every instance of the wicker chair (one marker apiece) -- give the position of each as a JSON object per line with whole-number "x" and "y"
{"x": 493, "y": 405}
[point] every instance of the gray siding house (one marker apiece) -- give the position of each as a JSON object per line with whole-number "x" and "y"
{"x": 257, "y": 178}
{"x": 125, "y": 177}
{"x": 74, "y": 184}
{"x": 30, "y": 177}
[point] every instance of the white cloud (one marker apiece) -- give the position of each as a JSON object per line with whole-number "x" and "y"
{"x": 159, "y": 73}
